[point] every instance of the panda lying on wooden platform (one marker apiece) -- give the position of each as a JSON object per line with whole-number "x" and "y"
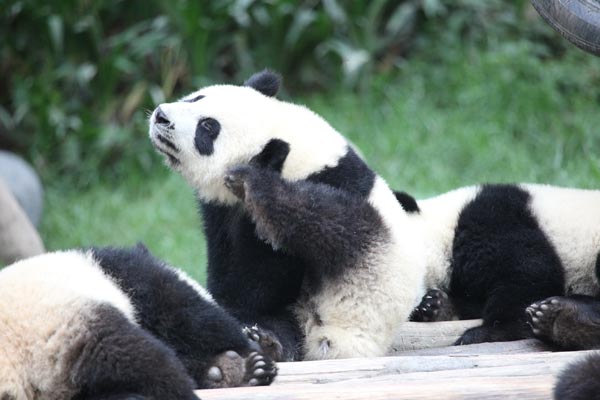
{"x": 110, "y": 323}
{"x": 301, "y": 231}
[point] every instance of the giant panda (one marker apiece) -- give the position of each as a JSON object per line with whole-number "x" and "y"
{"x": 304, "y": 239}
{"x": 524, "y": 257}
{"x": 111, "y": 323}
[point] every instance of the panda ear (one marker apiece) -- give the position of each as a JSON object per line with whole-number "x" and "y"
{"x": 272, "y": 156}
{"x": 266, "y": 81}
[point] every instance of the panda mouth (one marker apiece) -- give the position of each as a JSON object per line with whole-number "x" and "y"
{"x": 163, "y": 144}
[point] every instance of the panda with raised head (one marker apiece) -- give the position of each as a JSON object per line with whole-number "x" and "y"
{"x": 304, "y": 239}
{"x": 109, "y": 323}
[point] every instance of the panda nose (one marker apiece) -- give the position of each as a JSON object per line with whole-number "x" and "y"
{"x": 160, "y": 117}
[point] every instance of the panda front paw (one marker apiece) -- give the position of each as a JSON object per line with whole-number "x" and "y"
{"x": 230, "y": 369}
{"x": 235, "y": 180}
{"x": 434, "y": 306}
{"x": 266, "y": 341}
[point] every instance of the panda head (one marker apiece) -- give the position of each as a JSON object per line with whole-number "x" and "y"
{"x": 209, "y": 131}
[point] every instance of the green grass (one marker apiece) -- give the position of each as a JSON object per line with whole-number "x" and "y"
{"x": 498, "y": 116}
{"x": 157, "y": 210}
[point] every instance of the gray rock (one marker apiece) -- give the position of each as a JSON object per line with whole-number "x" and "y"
{"x": 24, "y": 183}
{"x": 18, "y": 237}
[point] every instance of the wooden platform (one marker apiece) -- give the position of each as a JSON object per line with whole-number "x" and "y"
{"x": 521, "y": 370}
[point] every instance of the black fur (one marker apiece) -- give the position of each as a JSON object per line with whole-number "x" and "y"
{"x": 267, "y": 82}
{"x": 579, "y": 381}
{"x": 272, "y": 156}
{"x": 257, "y": 283}
{"x": 207, "y": 131}
{"x": 351, "y": 174}
{"x": 408, "y": 203}
{"x": 119, "y": 360}
{"x": 502, "y": 262}
{"x": 194, "y": 99}
{"x": 328, "y": 227}
{"x": 250, "y": 279}
{"x": 169, "y": 308}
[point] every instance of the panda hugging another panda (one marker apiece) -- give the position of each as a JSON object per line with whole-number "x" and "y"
{"x": 308, "y": 243}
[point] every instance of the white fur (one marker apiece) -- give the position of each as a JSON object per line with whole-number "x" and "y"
{"x": 570, "y": 218}
{"x": 438, "y": 219}
{"x": 195, "y": 285}
{"x": 46, "y": 304}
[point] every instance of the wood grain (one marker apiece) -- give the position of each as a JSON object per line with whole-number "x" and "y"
{"x": 457, "y": 373}
{"x": 421, "y": 335}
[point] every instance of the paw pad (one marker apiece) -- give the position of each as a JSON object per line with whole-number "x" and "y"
{"x": 542, "y": 314}
{"x": 230, "y": 369}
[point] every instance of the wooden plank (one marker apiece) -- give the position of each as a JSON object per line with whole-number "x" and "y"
{"x": 421, "y": 335}
{"x": 515, "y": 347}
{"x": 518, "y": 388}
{"x": 328, "y": 371}
{"x": 519, "y": 376}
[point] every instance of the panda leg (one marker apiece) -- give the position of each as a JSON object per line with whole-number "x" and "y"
{"x": 503, "y": 314}
{"x": 329, "y": 227}
{"x": 205, "y": 338}
{"x": 119, "y": 360}
{"x": 572, "y": 323}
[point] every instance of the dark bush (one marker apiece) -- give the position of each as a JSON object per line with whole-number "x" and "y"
{"x": 78, "y": 76}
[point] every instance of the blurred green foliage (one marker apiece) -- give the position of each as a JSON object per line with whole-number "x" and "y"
{"x": 77, "y": 77}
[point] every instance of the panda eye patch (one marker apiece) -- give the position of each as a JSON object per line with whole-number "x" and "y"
{"x": 210, "y": 126}
{"x": 207, "y": 131}
{"x": 194, "y": 99}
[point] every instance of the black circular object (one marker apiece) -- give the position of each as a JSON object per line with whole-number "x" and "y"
{"x": 576, "y": 20}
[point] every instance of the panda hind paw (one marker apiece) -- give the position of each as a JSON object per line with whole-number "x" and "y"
{"x": 266, "y": 341}
{"x": 541, "y": 315}
{"x": 230, "y": 369}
